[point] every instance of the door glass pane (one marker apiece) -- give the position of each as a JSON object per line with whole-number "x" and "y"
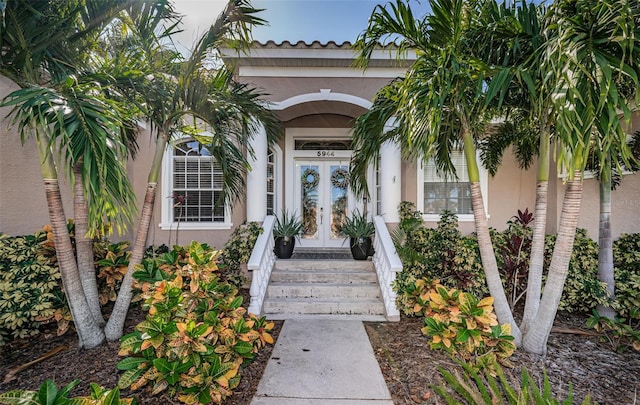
{"x": 339, "y": 186}
{"x": 310, "y": 182}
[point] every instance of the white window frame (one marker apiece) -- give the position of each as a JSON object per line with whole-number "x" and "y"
{"x": 484, "y": 182}
{"x": 277, "y": 178}
{"x": 168, "y": 222}
{"x": 377, "y": 189}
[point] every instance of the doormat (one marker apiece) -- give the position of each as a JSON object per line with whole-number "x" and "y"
{"x": 322, "y": 254}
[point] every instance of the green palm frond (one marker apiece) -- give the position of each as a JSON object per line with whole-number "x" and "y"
{"x": 442, "y": 89}
{"x": 518, "y": 132}
{"x": 596, "y": 49}
{"x": 233, "y": 163}
{"x": 393, "y": 23}
{"x": 88, "y": 128}
{"x": 370, "y": 132}
{"x": 52, "y": 37}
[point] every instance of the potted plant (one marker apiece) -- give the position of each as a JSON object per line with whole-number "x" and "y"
{"x": 359, "y": 230}
{"x": 285, "y": 231}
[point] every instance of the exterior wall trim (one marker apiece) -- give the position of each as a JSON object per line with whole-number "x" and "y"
{"x": 322, "y": 95}
{"x": 269, "y": 71}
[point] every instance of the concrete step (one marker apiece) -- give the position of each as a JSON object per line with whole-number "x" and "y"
{"x": 307, "y": 306}
{"x": 322, "y": 290}
{"x": 324, "y": 276}
{"x": 316, "y": 265}
{"x": 330, "y": 288}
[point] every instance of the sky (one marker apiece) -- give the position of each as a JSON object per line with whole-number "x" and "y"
{"x": 292, "y": 20}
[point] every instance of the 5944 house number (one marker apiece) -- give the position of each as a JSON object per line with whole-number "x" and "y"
{"x": 326, "y": 153}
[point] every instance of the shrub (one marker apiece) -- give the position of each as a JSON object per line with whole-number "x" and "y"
{"x": 513, "y": 248}
{"x": 49, "y": 394}
{"x": 461, "y": 324}
{"x": 620, "y": 333}
{"x": 112, "y": 261}
{"x": 582, "y": 289}
{"x": 237, "y": 251}
{"x": 626, "y": 256}
{"x": 196, "y": 335}
{"x": 30, "y": 288}
{"x": 474, "y": 387}
{"x": 442, "y": 253}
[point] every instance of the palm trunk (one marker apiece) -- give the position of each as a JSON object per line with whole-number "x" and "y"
{"x": 84, "y": 248}
{"x": 605, "y": 242}
{"x": 89, "y": 333}
{"x": 536, "y": 264}
{"x": 115, "y": 325}
{"x": 535, "y": 341}
{"x": 487, "y": 254}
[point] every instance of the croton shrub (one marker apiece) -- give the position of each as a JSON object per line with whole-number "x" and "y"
{"x": 49, "y": 394}
{"x": 196, "y": 336}
{"x": 462, "y": 325}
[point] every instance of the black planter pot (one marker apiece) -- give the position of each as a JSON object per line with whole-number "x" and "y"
{"x": 361, "y": 248}
{"x": 284, "y": 247}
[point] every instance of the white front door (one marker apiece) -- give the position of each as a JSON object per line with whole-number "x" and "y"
{"x": 323, "y": 200}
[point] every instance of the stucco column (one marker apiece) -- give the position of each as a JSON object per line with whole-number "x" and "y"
{"x": 390, "y": 181}
{"x": 257, "y": 178}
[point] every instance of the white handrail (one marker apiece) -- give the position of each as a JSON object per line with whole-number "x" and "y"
{"x": 387, "y": 264}
{"x": 261, "y": 264}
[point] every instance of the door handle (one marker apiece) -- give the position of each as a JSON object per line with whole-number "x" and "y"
{"x": 321, "y": 215}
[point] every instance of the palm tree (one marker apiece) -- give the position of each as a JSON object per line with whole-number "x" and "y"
{"x": 80, "y": 111}
{"x": 436, "y": 106}
{"x": 594, "y": 49}
{"x": 517, "y": 36}
{"x": 426, "y": 113}
{"x": 73, "y": 123}
{"x": 609, "y": 178}
{"x": 182, "y": 92}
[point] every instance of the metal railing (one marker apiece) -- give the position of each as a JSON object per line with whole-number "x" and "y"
{"x": 261, "y": 264}
{"x": 387, "y": 264}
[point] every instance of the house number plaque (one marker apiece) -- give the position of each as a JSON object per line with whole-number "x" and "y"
{"x": 326, "y": 153}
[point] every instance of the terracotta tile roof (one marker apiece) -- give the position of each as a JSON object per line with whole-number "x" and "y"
{"x": 300, "y": 44}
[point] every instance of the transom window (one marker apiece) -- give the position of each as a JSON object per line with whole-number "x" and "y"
{"x": 314, "y": 144}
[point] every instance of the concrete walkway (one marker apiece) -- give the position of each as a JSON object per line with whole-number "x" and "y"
{"x": 322, "y": 361}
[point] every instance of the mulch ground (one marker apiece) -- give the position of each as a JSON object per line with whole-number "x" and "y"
{"x": 409, "y": 366}
{"x": 574, "y": 361}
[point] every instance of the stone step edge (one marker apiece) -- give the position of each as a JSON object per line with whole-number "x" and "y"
{"x": 307, "y": 300}
{"x": 322, "y": 285}
{"x": 341, "y": 317}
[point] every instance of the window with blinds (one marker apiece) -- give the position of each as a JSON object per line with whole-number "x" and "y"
{"x": 197, "y": 185}
{"x": 450, "y": 194}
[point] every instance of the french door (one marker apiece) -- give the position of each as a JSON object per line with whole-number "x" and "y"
{"x": 323, "y": 201}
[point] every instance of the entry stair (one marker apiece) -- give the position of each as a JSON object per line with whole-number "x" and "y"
{"x": 324, "y": 287}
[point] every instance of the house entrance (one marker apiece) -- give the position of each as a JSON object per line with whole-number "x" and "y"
{"x": 323, "y": 200}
